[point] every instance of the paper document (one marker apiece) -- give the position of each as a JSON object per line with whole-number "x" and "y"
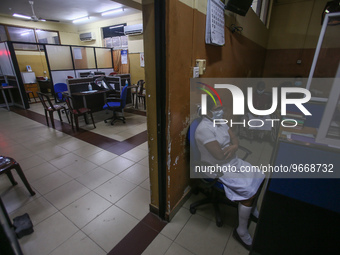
{"x": 214, "y": 26}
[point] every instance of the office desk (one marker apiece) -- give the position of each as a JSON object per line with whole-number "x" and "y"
{"x": 88, "y": 94}
{"x": 10, "y": 94}
{"x": 300, "y": 212}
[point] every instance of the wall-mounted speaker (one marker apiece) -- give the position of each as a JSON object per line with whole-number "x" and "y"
{"x": 240, "y": 7}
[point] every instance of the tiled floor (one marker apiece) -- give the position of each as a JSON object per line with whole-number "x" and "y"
{"x": 88, "y": 199}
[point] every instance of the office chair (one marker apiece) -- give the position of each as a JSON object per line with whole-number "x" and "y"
{"x": 59, "y": 88}
{"x": 212, "y": 188}
{"x": 116, "y": 104}
{"x": 76, "y": 112}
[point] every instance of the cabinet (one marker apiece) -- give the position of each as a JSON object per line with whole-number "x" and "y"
{"x": 32, "y": 87}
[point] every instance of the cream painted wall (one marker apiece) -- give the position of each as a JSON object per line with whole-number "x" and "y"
{"x": 295, "y": 25}
{"x": 253, "y": 28}
{"x": 135, "y": 42}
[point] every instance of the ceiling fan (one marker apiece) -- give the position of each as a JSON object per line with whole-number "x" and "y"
{"x": 33, "y": 17}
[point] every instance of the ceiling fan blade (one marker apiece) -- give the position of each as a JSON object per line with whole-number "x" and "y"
{"x": 51, "y": 20}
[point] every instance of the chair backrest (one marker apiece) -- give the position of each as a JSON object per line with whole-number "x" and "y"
{"x": 70, "y": 103}
{"x": 194, "y": 151}
{"x": 123, "y": 96}
{"x": 59, "y": 88}
{"x": 140, "y": 85}
{"x": 45, "y": 100}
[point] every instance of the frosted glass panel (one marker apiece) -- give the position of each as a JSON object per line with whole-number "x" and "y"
{"x": 83, "y": 58}
{"x": 59, "y": 57}
{"x": 5, "y": 61}
{"x": 103, "y": 58}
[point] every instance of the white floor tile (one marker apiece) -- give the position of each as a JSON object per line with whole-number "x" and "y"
{"x": 101, "y": 157}
{"x": 79, "y": 168}
{"x": 80, "y": 244}
{"x": 174, "y": 227}
{"x": 135, "y": 174}
{"x": 38, "y": 210}
{"x": 135, "y": 154}
{"x": 176, "y": 249}
{"x": 136, "y": 203}
{"x": 145, "y": 184}
{"x": 16, "y": 196}
{"x": 65, "y": 160}
{"x": 87, "y": 150}
{"x": 66, "y": 194}
{"x": 39, "y": 171}
{"x": 51, "y": 182}
{"x": 115, "y": 189}
{"x": 85, "y": 209}
{"x": 199, "y": 228}
{"x": 31, "y": 162}
{"x": 48, "y": 235}
{"x": 110, "y": 227}
{"x": 95, "y": 178}
{"x": 117, "y": 165}
{"x": 158, "y": 246}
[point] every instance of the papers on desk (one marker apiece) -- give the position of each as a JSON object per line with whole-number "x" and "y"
{"x": 288, "y": 134}
{"x": 89, "y": 91}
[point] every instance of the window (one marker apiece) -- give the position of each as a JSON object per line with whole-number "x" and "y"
{"x": 114, "y": 36}
{"x": 260, "y": 7}
{"x": 49, "y": 37}
{"x": 30, "y": 35}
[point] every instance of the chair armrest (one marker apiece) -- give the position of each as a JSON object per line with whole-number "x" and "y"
{"x": 246, "y": 151}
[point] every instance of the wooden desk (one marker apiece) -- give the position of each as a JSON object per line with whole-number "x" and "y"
{"x": 86, "y": 94}
{"x": 10, "y": 94}
{"x": 32, "y": 87}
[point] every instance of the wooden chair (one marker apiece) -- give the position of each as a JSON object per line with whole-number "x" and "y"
{"x": 75, "y": 112}
{"x": 28, "y": 92}
{"x": 51, "y": 108}
{"x": 140, "y": 94}
{"x": 6, "y": 165}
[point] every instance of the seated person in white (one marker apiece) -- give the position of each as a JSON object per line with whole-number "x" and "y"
{"x": 261, "y": 101}
{"x": 218, "y": 145}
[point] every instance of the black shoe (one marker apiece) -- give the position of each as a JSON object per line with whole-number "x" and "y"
{"x": 238, "y": 238}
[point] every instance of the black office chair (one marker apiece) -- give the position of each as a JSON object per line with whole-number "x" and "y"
{"x": 116, "y": 105}
{"x": 212, "y": 188}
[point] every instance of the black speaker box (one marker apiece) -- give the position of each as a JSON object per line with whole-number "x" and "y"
{"x": 240, "y": 7}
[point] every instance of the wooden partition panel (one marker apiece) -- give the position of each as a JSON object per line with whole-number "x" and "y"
{"x": 240, "y": 57}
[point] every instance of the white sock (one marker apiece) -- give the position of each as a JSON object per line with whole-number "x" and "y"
{"x": 254, "y": 211}
{"x": 242, "y": 230}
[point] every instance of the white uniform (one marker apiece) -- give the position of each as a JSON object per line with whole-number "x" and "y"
{"x": 238, "y": 186}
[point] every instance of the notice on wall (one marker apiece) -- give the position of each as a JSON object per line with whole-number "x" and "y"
{"x": 141, "y": 59}
{"x": 124, "y": 56}
{"x": 77, "y": 53}
{"x": 214, "y": 26}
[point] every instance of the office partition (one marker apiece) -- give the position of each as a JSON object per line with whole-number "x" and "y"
{"x": 103, "y": 57}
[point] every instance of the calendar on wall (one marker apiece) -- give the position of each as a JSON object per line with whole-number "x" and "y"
{"x": 214, "y": 28}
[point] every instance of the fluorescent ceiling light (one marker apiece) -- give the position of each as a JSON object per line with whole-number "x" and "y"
{"x": 112, "y": 11}
{"x": 81, "y": 19}
{"x": 25, "y": 33}
{"x": 21, "y": 16}
{"x": 116, "y": 26}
